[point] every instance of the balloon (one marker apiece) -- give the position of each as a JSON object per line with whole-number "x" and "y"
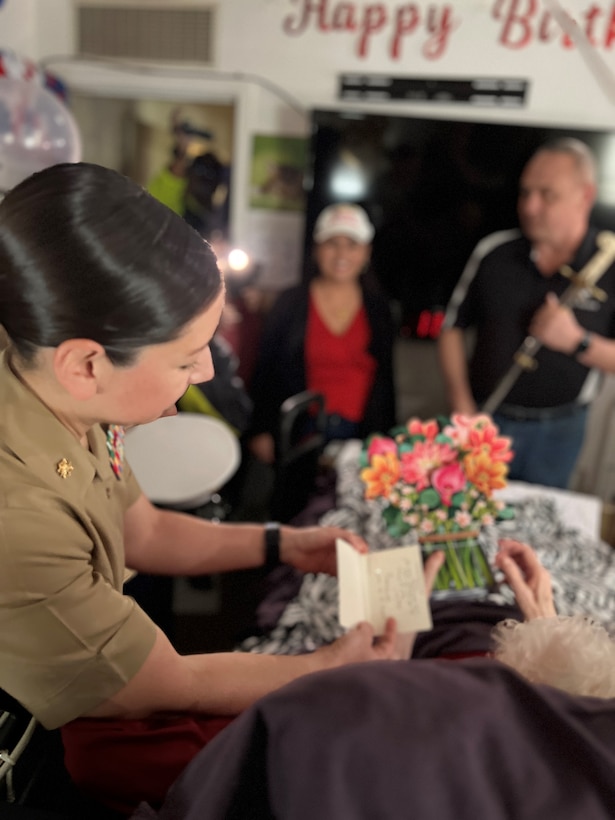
{"x": 15, "y": 67}
{"x": 36, "y": 130}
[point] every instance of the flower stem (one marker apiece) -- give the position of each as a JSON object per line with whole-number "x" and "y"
{"x": 459, "y": 567}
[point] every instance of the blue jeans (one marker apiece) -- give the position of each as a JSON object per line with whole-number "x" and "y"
{"x": 339, "y": 428}
{"x": 546, "y": 450}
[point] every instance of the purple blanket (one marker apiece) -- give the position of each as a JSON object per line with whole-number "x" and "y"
{"x": 441, "y": 740}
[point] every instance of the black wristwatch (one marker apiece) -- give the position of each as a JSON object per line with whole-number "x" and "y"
{"x": 272, "y": 545}
{"x": 583, "y": 344}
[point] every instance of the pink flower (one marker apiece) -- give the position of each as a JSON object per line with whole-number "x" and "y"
{"x": 460, "y": 427}
{"x": 480, "y": 420}
{"x": 463, "y": 519}
{"x": 380, "y": 446}
{"x": 439, "y": 474}
{"x": 417, "y": 464}
{"x": 447, "y": 481}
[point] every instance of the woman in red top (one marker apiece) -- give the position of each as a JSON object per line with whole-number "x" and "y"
{"x": 333, "y": 335}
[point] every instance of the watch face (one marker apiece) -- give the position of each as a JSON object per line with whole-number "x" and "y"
{"x": 583, "y": 344}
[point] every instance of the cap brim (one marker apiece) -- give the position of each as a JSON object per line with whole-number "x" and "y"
{"x": 323, "y": 236}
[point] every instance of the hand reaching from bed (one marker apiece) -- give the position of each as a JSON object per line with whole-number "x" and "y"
{"x": 405, "y": 640}
{"x": 527, "y": 577}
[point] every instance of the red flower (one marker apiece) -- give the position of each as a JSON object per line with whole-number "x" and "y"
{"x": 418, "y": 464}
{"x": 447, "y": 481}
{"x": 380, "y": 446}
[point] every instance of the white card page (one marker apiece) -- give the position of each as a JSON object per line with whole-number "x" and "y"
{"x": 380, "y": 585}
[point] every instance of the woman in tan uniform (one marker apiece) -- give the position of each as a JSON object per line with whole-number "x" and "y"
{"x": 109, "y": 301}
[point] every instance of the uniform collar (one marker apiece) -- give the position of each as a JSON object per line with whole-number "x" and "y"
{"x": 33, "y": 435}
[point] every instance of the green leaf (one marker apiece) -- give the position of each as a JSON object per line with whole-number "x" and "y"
{"x": 430, "y": 498}
{"x": 457, "y": 499}
{"x": 391, "y": 515}
{"x": 399, "y": 529}
{"x": 394, "y": 521}
{"x": 506, "y": 514}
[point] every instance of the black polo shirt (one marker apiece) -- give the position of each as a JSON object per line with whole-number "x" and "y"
{"x": 498, "y": 293}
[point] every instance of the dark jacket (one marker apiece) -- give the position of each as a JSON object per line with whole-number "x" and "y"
{"x": 280, "y": 366}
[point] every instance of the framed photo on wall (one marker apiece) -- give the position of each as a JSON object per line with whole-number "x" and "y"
{"x": 278, "y": 168}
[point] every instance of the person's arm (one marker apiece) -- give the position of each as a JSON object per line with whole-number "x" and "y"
{"x": 454, "y": 368}
{"x": 556, "y": 327}
{"x": 226, "y": 683}
{"x": 262, "y": 446}
{"x": 527, "y": 578}
{"x": 406, "y": 640}
{"x": 173, "y": 543}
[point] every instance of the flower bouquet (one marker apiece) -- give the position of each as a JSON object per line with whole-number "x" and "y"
{"x": 436, "y": 479}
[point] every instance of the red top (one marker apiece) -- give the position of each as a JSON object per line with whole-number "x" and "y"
{"x": 339, "y": 366}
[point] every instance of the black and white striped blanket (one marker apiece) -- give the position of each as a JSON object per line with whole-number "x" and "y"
{"x": 582, "y": 567}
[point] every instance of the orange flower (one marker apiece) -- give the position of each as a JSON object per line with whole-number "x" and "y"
{"x": 381, "y": 476}
{"x": 487, "y": 440}
{"x": 485, "y": 473}
{"x": 429, "y": 429}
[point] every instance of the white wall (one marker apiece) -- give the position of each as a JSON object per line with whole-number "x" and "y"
{"x": 302, "y": 46}
{"x": 17, "y": 26}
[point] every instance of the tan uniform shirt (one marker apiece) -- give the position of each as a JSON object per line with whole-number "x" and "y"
{"x": 69, "y": 638}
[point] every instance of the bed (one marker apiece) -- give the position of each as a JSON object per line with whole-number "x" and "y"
{"x": 300, "y": 612}
{"x": 406, "y": 740}
{"x": 397, "y": 739}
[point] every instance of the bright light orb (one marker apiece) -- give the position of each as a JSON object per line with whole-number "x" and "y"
{"x": 238, "y": 260}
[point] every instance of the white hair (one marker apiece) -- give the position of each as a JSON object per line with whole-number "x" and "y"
{"x": 572, "y": 653}
{"x": 581, "y": 153}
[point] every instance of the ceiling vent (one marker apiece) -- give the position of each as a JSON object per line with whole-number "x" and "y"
{"x": 142, "y": 32}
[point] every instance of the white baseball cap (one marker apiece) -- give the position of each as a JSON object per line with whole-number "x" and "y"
{"x": 343, "y": 220}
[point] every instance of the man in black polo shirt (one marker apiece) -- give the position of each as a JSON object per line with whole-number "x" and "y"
{"x": 510, "y": 288}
